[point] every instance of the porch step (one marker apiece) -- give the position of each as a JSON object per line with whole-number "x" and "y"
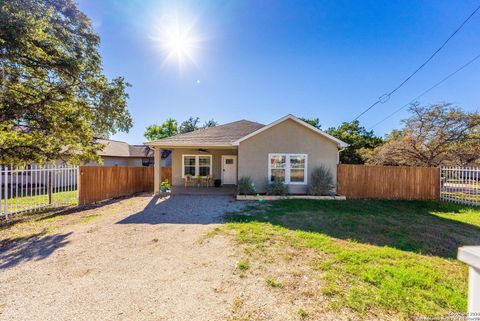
{"x": 223, "y": 190}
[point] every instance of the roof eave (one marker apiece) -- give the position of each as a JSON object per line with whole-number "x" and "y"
{"x": 179, "y": 145}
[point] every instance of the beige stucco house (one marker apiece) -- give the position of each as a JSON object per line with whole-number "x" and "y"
{"x": 288, "y": 148}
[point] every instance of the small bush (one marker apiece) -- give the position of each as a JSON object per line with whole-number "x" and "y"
{"x": 277, "y": 187}
{"x": 246, "y": 186}
{"x": 321, "y": 182}
{"x": 165, "y": 186}
{"x": 244, "y": 265}
{"x": 274, "y": 283}
{"x": 302, "y": 313}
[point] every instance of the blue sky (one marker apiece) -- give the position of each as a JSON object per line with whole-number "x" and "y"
{"x": 261, "y": 60}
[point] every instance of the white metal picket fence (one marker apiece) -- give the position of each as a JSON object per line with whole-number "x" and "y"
{"x": 460, "y": 185}
{"x": 37, "y": 187}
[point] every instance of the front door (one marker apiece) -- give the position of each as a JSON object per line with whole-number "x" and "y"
{"x": 229, "y": 169}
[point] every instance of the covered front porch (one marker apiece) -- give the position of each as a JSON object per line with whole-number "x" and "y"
{"x": 197, "y": 170}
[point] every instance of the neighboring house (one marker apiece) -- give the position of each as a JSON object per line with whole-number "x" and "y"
{"x": 118, "y": 153}
{"x": 288, "y": 149}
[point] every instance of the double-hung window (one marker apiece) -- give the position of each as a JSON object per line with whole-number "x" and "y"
{"x": 288, "y": 168}
{"x": 196, "y": 165}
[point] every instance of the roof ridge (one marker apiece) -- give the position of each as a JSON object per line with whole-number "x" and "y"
{"x": 111, "y": 140}
{"x": 216, "y": 127}
{"x": 232, "y": 122}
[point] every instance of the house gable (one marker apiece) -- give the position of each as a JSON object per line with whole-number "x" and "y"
{"x": 340, "y": 143}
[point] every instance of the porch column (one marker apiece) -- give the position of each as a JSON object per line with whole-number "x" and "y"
{"x": 157, "y": 157}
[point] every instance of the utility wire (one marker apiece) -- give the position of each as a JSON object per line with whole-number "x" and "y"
{"x": 385, "y": 97}
{"x": 428, "y": 90}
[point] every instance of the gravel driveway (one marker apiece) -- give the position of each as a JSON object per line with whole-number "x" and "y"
{"x": 142, "y": 261}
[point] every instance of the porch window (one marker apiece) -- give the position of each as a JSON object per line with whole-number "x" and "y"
{"x": 289, "y": 168}
{"x": 204, "y": 164}
{"x": 197, "y": 165}
{"x": 189, "y": 165}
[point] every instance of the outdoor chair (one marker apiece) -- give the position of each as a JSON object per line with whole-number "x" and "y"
{"x": 188, "y": 181}
{"x": 207, "y": 180}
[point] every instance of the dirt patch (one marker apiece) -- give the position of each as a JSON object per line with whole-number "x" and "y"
{"x": 22, "y": 226}
{"x": 137, "y": 259}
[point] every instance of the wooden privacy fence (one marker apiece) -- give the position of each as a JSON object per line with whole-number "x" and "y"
{"x": 388, "y": 182}
{"x": 99, "y": 183}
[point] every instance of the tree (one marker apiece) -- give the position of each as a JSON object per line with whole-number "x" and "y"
{"x": 170, "y": 128}
{"x": 54, "y": 97}
{"x": 167, "y": 129}
{"x": 359, "y": 141}
{"x": 434, "y": 135}
{"x": 189, "y": 125}
{"x": 210, "y": 123}
{"x": 315, "y": 122}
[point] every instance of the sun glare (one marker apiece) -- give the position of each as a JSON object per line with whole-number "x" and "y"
{"x": 177, "y": 39}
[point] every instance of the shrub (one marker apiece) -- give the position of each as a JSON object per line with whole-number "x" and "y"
{"x": 244, "y": 265}
{"x": 246, "y": 186}
{"x": 277, "y": 187}
{"x": 302, "y": 313}
{"x": 274, "y": 283}
{"x": 165, "y": 186}
{"x": 321, "y": 182}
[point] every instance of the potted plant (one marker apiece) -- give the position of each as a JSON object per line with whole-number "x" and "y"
{"x": 165, "y": 186}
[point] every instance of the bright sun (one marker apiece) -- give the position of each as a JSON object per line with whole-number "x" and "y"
{"x": 177, "y": 39}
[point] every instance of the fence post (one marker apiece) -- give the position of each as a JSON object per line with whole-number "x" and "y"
{"x": 79, "y": 185}
{"x": 471, "y": 256}
{"x": 1, "y": 190}
{"x": 440, "y": 187}
{"x": 50, "y": 188}
{"x": 5, "y": 203}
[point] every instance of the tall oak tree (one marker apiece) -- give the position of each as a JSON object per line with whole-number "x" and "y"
{"x": 54, "y": 97}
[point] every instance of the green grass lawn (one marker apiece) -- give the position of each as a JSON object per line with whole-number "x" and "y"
{"x": 20, "y": 203}
{"x": 377, "y": 259}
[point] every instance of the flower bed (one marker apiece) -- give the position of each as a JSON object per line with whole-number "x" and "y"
{"x": 287, "y": 197}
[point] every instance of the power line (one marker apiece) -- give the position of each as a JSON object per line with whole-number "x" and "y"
{"x": 428, "y": 90}
{"x": 385, "y": 97}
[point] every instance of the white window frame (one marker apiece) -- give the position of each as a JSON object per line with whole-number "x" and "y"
{"x": 288, "y": 168}
{"x": 197, "y": 163}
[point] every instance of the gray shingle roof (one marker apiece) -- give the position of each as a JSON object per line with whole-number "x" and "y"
{"x": 122, "y": 149}
{"x": 222, "y": 135}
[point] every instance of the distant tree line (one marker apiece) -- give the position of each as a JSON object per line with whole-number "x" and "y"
{"x": 433, "y": 135}
{"x": 356, "y": 136}
{"x": 440, "y": 134}
{"x": 170, "y": 127}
